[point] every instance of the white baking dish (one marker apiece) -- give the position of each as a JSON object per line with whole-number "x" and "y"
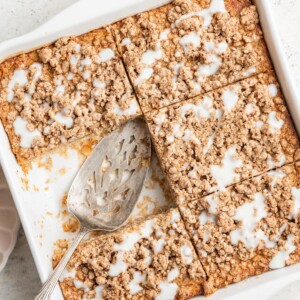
{"x": 38, "y": 209}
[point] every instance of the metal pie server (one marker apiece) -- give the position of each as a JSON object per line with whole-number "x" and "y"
{"x": 107, "y": 187}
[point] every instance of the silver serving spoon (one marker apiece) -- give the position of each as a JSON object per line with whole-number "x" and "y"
{"x": 106, "y": 188}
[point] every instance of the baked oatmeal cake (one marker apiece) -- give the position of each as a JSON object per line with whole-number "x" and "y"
{"x": 62, "y": 92}
{"x": 242, "y": 230}
{"x": 188, "y": 47}
{"x": 223, "y": 137}
{"x": 154, "y": 259}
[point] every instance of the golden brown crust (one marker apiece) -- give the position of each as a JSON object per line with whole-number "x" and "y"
{"x": 140, "y": 262}
{"x": 240, "y": 232}
{"x": 181, "y": 57}
{"x": 244, "y": 127}
{"x": 82, "y": 89}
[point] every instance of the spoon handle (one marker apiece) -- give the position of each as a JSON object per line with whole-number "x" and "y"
{"x": 51, "y": 282}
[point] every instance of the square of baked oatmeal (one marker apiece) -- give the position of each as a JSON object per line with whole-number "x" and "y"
{"x": 154, "y": 259}
{"x": 62, "y": 92}
{"x": 188, "y": 47}
{"x": 245, "y": 230}
{"x": 223, "y": 137}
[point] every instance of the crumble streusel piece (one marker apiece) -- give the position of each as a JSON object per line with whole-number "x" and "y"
{"x": 188, "y": 47}
{"x": 62, "y": 92}
{"x": 154, "y": 259}
{"x": 241, "y": 232}
{"x": 223, "y": 137}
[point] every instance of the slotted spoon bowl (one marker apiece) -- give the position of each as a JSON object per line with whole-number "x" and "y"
{"x": 106, "y": 188}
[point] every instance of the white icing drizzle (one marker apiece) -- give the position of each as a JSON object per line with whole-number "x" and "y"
{"x": 86, "y": 75}
{"x": 144, "y": 75}
{"x": 38, "y": 72}
{"x": 148, "y": 260}
{"x": 164, "y": 35}
{"x": 187, "y": 254}
{"x": 206, "y": 236}
{"x": 296, "y": 197}
{"x": 276, "y": 174}
{"x": 225, "y": 174}
{"x": 211, "y": 68}
{"x": 209, "y": 143}
{"x": 190, "y": 136}
{"x": 173, "y": 274}
{"x": 215, "y": 61}
{"x": 62, "y": 117}
{"x": 19, "y": 77}
{"x": 131, "y": 110}
{"x": 175, "y": 217}
{"x": 218, "y": 115}
{"x": 249, "y": 72}
{"x": 66, "y": 274}
{"x": 26, "y": 136}
{"x": 74, "y": 59}
{"x": 150, "y": 57}
{"x": 159, "y": 120}
{"x": 202, "y": 110}
{"x": 85, "y": 62}
{"x": 250, "y": 108}
{"x": 230, "y": 98}
{"x": 130, "y": 239}
{"x": 204, "y": 218}
{"x": 213, "y": 201}
{"x": 193, "y": 173}
{"x": 70, "y": 76}
{"x": 272, "y": 164}
{"x": 158, "y": 245}
{"x": 191, "y": 38}
{"x": 118, "y": 267}
{"x": 259, "y": 124}
{"x": 98, "y": 290}
{"x": 279, "y": 259}
{"x": 134, "y": 284}
{"x": 106, "y": 54}
{"x": 274, "y": 123}
{"x": 99, "y": 84}
{"x": 126, "y": 41}
{"x": 77, "y": 48}
{"x": 168, "y": 290}
{"x": 272, "y": 88}
{"x": 215, "y": 7}
{"x": 176, "y": 71}
{"x": 81, "y": 285}
{"x": 250, "y": 214}
{"x": 60, "y": 87}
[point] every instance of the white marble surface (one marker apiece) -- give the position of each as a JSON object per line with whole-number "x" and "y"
{"x": 19, "y": 279}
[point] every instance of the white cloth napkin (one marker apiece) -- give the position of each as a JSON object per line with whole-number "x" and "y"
{"x": 9, "y": 222}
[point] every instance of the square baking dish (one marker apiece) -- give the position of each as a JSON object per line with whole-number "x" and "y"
{"x": 38, "y": 209}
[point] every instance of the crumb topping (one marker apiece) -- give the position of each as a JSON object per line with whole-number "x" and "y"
{"x": 65, "y": 91}
{"x": 187, "y": 47}
{"x": 228, "y": 135}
